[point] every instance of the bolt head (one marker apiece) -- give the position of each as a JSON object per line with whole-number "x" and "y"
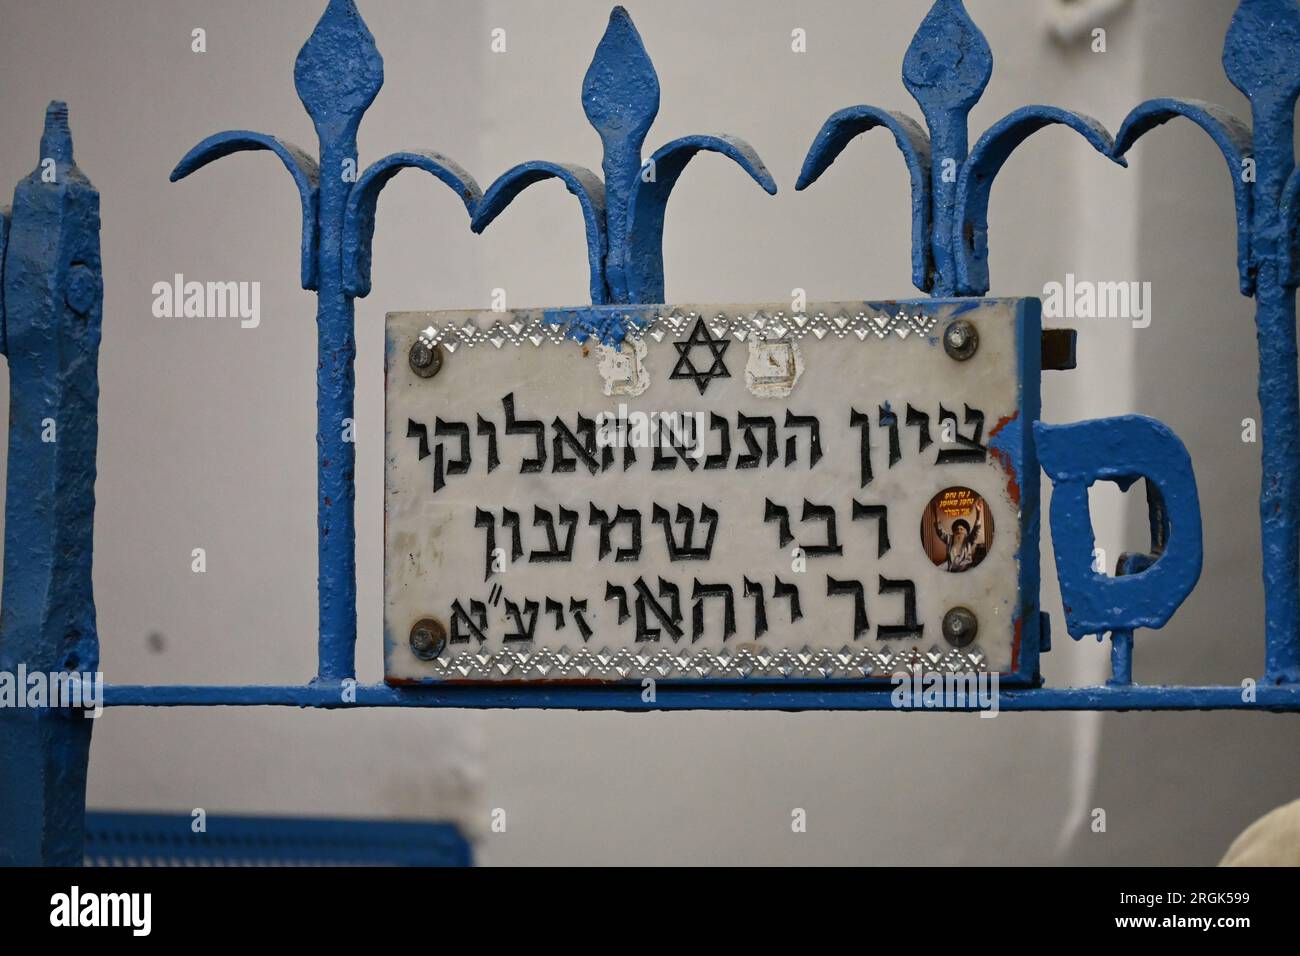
{"x": 425, "y": 358}
{"x": 428, "y": 638}
{"x": 960, "y": 626}
{"x": 960, "y": 340}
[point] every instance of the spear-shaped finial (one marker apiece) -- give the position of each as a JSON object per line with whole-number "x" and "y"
{"x": 946, "y": 68}
{"x": 339, "y": 71}
{"x": 949, "y": 62}
{"x": 1258, "y": 52}
{"x": 56, "y": 141}
{"x": 620, "y": 93}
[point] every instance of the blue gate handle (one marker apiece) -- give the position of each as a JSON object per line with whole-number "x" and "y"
{"x": 1121, "y": 450}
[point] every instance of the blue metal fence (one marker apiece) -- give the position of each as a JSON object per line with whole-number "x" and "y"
{"x": 51, "y": 307}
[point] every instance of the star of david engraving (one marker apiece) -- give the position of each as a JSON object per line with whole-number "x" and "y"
{"x": 686, "y": 368}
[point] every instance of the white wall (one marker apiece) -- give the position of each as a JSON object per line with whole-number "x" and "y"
{"x": 207, "y": 430}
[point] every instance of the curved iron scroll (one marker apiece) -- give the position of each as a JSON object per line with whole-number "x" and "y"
{"x": 624, "y": 214}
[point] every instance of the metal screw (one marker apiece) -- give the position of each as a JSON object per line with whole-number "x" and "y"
{"x": 960, "y": 340}
{"x": 960, "y": 626}
{"x": 428, "y": 638}
{"x": 425, "y": 358}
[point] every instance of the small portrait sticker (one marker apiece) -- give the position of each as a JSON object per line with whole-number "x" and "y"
{"x": 957, "y": 529}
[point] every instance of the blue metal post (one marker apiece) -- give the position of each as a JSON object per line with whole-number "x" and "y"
{"x": 1121, "y": 658}
{"x": 1275, "y": 320}
{"x": 338, "y": 74}
{"x": 52, "y": 309}
{"x": 1259, "y": 58}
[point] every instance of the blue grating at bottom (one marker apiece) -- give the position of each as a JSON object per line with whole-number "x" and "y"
{"x": 167, "y": 839}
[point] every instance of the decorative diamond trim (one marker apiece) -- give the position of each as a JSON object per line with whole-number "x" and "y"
{"x": 545, "y": 663}
{"x": 769, "y": 326}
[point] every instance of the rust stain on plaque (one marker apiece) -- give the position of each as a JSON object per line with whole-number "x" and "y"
{"x": 1004, "y": 459}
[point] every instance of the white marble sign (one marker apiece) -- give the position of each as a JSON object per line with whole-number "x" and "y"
{"x": 733, "y": 492}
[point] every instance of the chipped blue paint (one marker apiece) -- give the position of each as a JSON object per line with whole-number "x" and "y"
{"x": 1012, "y": 447}
{"x": 1121, "y": 450}
{"x": 609, "y": 325}
{"x": 53, "y": 310}
{"x": 1008, "y": 437}
{"x": 624, "y": 214}
{"x": 338, "y": 74}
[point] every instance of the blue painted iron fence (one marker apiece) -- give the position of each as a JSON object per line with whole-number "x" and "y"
{"x": 51, "y": 308}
